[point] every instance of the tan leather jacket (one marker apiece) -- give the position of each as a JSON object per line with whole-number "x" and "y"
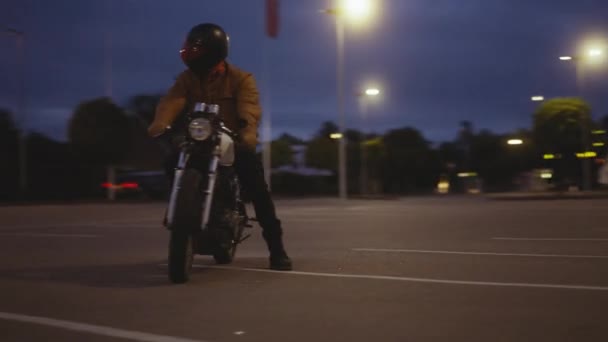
{"x": 234, "y": 91}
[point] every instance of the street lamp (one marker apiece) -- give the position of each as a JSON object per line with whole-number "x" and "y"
{"x": 364, "y": 96}
{"x": 372, "y": 92}
{"x": 538, "y": 98}
{"x": 591, "y": 54}
{"x": 20, "y": 37}
{"x": 515, "y": 142}
{"x": 355, "y": 10}
{"x": 595, "y": 52}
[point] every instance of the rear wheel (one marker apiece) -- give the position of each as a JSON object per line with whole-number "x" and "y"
{"x": 224, "y": 256}
{"x": 225, "y": 246}
{"x": 226, "y": 252}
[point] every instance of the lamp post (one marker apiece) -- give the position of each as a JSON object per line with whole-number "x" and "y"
{"x": 363, "y": 97}
{"x": 20, "y": 39}
{"x": 354, "y": 10}
{"x": 592, "y": 54}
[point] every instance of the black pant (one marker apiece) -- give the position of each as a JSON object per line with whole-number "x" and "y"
{"x": 251, "y": 175}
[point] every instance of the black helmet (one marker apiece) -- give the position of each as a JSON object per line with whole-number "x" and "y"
{"x": 206, "y": 45}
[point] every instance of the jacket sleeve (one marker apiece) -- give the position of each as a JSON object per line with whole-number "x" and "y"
{"x": 249, "y": 111}
{"x": 169, "y": 106}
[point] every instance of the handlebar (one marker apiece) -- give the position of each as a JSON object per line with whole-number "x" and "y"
{"x": 230, "y": 133}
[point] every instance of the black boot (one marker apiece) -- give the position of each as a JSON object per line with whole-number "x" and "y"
{"x": 279, "y": 261}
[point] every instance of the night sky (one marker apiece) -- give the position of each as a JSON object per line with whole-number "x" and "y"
{"x": 437, "y": 62}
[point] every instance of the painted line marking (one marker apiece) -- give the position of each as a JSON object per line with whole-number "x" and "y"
{"x": 479, "y": 253}
{"x": 120, "y": 223}
{"x": 50, "y": 235}
{"x": 93, "y": 329}
{"x": 411, "y": 279}
{"x": 548, "y": 239}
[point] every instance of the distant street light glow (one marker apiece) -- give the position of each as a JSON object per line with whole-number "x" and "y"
{"x": 467, "y": 174}
{"x": 515, "y": 142}
{"x": 336, "y": 135}
{"x": 372, "y": 92}
{"x": 598, "y": 144}
{"x": 565, "y": 58}
{"x": 538, "y": 98}
{"x": 588, "y": 154}
{"x": 595, "y": 52}
{"x": 357, "y": 9}
{"x": 546, "y": 175}
{"x": 548, "y": 156}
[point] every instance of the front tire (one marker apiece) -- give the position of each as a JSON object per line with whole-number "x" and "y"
{"x": 185, "y": 224}
{"x": 181, "y": 256}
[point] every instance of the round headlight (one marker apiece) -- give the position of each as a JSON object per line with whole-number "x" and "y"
{"x": 199, "y": 129}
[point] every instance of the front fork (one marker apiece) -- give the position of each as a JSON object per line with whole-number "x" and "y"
{"x": 207, "y": 193}
{"x": 177, "y": 181}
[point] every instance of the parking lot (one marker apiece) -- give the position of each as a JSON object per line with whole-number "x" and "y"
{"x": 417, "y": 269}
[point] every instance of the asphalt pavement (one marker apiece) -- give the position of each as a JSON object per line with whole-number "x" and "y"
{"x": 417, "y": 269}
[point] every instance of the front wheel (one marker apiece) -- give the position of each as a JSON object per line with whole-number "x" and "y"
{"x": 185, "y": 222}
{"x": 181, "y": 255}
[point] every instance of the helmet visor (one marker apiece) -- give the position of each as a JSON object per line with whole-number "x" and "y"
{"x": 191, "y": 52}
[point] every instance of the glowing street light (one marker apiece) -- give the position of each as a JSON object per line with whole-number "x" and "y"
{"x": 372, "y": 92}
{"x": 336, "y": 136}
{"x": 364, "y": 96}
{"x": 356, "y": 10}
{"x": 515, "y": 142}
{"x": 538, "y": 98}
{"x": 595, "y": 52}
{"x": 566, "y": 58}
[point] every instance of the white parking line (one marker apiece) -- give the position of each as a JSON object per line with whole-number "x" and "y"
{"x": 89, "y": 224}
{"x": 44, "y": 235}
{"x": 548, "y": 239}
{"x": 93, "y": 329}
{"x": 480, "y": 253}
{"x": 414, "y": 280}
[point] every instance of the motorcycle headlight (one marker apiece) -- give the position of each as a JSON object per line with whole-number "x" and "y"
{"x": 200, "y": 129}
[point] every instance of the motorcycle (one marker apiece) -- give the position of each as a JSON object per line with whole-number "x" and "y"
{"x": 206, "y": 214}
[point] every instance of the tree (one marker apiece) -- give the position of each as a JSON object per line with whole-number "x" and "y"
{"x": 290, "y": 139}
{"x": 561, "y": 127}
{"x": 410, "y": 164}
{"x": 9, "y": 168}
{"x": 281, "y": 152}
{"x": 144, "y": 106}
{"x": 322, "y": 151}
{"x": 327, "y": 128}
{"x": 99, "y": 131}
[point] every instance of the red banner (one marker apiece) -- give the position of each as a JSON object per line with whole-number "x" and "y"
{"x": 272, "y": 18}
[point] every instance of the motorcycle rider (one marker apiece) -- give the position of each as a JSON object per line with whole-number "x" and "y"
{"x": 210, "y": 79}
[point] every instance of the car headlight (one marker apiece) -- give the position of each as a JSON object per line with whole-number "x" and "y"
{"x": 200, "y": 129}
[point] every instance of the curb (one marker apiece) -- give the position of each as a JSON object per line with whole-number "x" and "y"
{"x": 545, "y": 196}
